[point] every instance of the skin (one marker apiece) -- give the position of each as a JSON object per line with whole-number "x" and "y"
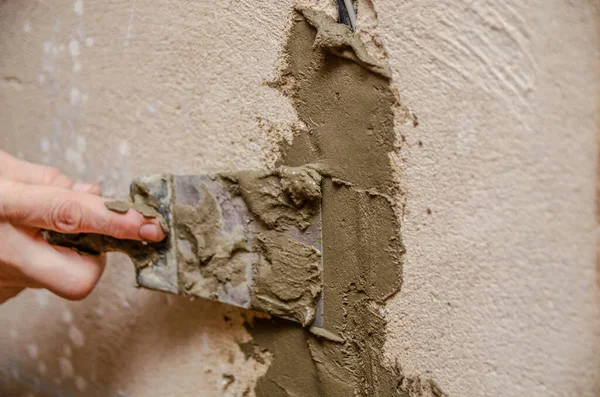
{"x": 35, "y": 197}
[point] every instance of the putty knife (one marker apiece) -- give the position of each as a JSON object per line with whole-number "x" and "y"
{"x": 251, "y": 239}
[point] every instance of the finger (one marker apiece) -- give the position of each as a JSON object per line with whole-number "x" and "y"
{"x": 17, "y": 170}
{"x": 60, "y": 270}
{"x": 11, "y": 275}
{"x": 9, "y": 292}
{"x": 87, "y": 188}
{"x": 12, "y": 253}
{"x": 65, "y": 211}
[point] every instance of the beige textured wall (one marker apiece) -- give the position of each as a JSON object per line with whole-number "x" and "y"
{"x": 500, "y": 297}
{"x": 499, "y": 293}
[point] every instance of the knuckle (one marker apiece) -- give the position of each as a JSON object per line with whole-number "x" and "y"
{"x": 49, "y": 175}
{"x": 8, "y": 212}
{"x": 67, "y": 216}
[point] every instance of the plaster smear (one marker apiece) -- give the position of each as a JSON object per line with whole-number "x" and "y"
{"x": 343, "y": 97}
{"x": 286, "y": 272}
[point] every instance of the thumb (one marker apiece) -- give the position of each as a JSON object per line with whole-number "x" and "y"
{"x": 67, "y": 211}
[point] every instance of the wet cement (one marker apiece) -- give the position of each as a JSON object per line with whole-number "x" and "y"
{"x": 339, "y": 40}
{"x": 212, "y": 258}
{"x": 344, "y": 98}
{"x": 284, "y": 198}
{"x": 123, "y": 206}
{"x": 287, "y": 272}
{"x": 289, "y": 282}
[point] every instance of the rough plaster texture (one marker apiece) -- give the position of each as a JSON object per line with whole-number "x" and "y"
{"x": 499, "y": 294}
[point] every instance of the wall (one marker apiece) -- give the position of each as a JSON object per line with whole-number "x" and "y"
{"x": 499, "y": 292}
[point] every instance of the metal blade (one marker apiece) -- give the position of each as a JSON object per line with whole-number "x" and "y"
{"x": 226, "y": 247}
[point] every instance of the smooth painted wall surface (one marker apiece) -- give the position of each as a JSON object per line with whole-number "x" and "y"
{"x": 499, "y": 296}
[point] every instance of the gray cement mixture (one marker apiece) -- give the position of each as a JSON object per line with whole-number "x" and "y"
{"x": 344, "y": 98}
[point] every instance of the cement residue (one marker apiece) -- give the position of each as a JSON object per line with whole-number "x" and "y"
{"x": 146, "y": 210}
{"x": 343, "y": 97}
{"x": 210, "y": 259}
{"x": 293, "y": 371}
{"x": 124, "y": 206}
{"x": 283, "y": 198}
{"x": 341, "y": 41}
{"x": 288, "y": 282}
{"x": 278, "y": 206}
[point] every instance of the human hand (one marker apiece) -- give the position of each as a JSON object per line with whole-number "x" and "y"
{"x": 35, "y": 197}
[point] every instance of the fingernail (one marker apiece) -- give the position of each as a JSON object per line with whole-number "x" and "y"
{"x": 150, "y": 232}
{"x": 85, "y": 187}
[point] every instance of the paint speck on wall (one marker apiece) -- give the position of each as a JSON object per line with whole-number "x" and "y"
{"x": 186, "y": 116}
{"x": 27, "y": 27}
{"x": 67, "y": 316}
{"x": 124, "y": 148}
{"x": 129, "y": 30}
{"x": 76, "y": 336}
{"x": 466, "y": 136}
{"x": 78, "y": 7}
{"x": 75, "y": 158}
{"x": 152, "y": 107}
{"x": 116, "y": 175}
{"x": 80, "y": 143}
{"x": 89, "y": 41}
{"x": 32, "y": 351}
{"x": 65, "y": 367}
{"x": 49, "y": 57}
{"x": 45, "y": 146}
{"x": 75, "y": 97}
{"x": 42, "y": 295}
{"x": 80, "y": 383}
{"x": 73, "y": 48}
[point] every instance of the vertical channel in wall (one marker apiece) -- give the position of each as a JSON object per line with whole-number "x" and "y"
{"x": 343, "y": 98}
